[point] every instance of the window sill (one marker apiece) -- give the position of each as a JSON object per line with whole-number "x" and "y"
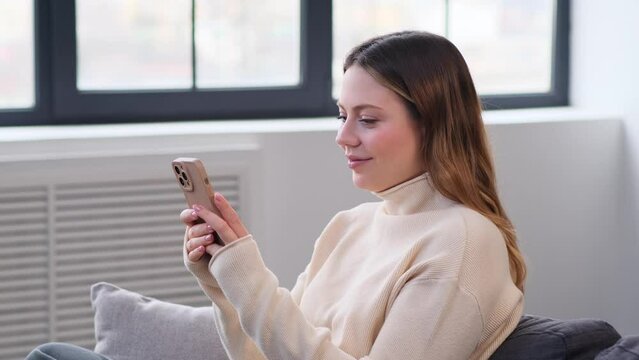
{"x": 85, "y": 132}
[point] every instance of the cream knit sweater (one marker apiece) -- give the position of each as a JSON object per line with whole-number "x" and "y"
{"x": 415, "y": 276}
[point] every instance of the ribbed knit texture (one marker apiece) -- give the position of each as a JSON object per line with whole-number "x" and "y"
{"x": 415, "y": 276}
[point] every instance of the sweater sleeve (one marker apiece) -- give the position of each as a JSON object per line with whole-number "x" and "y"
{"x": 226, "y": 319}
{"x": 429, "y": 318}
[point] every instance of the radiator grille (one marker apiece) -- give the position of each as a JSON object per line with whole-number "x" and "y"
{"x": 24, "y": 266}
{"x": 56, "y": 241}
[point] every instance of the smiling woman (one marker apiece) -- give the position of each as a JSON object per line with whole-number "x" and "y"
{"x": 438, "y": 247}
{"x": 431, "y": 271}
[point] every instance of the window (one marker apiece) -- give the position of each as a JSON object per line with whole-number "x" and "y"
{"x": 144, "y": 60}
{"x": 105, "y": 61}
{"x": 184, "y": 44}
{"x": 133, "y": 45}
{"x": 507, "y": 44}
{"x": 353, "y": 25}
{"x": 17, "y": 87}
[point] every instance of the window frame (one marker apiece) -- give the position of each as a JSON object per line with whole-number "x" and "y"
{"x": 58, "y": 101}
{"x": 559, "y": 71}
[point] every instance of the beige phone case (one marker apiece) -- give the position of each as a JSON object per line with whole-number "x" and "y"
{"x": 194, "y": 182}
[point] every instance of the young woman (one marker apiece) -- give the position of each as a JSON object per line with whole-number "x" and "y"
{"x": 432, "y": 271}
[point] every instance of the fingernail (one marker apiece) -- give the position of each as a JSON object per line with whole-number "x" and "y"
{"x": 218, "y": 196}
{"x": 200, "y": 248}
{"x": 208, "y": 238}
{"x": 197, "y": 208}
{"x": 209, "y": 229}
{"x": 194, "y": 214}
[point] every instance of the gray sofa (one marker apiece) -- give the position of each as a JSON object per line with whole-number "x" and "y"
{"x": 540, "y": 338}
{"x": 130, "y": 326}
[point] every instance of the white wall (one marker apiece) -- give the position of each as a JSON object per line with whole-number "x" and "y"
{"x": 558, "y": 173}
{"x": 559, "y": 182}
{"x": 605, "y": 75}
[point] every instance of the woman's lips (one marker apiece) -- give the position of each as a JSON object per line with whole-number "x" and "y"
{"x": 353, "y": 162}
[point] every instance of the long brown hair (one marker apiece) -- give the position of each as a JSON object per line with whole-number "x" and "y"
{"x": 430, "y": 74}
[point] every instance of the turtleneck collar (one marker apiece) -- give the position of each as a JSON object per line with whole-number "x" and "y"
{"x": 412, "y": 196}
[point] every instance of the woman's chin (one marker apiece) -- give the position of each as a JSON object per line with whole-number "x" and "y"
{"x": 362, "y": 182}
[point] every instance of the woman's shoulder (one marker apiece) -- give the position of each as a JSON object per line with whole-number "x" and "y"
{"x": 465, "y": 236}
{"x": 475, "y": 220}
{"x": 480, "y": 239}
{"x": 484, "y": 248}
{"x": 479, "y": 228}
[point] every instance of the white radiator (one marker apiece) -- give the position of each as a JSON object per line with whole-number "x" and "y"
{"x": 66, "y": 223}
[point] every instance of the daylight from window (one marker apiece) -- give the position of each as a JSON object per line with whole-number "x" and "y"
{"x": 17, "y": 75}
{"x": 147, "y": 44}
{"x": 133, "y": 44}
{"x": 245, "y": 43}
{"x": 506, "y": 43}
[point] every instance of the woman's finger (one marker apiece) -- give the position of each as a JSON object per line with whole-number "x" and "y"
{"x": 218, "y": 224}
{"x": 194, "y": 243}
{"x": 196, "y": 254}
{"x": 199, "y": 230}
{"x": 188, "y": 217}
{"x": 230, "y": 215}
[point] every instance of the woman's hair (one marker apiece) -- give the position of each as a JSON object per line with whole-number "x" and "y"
{"x": 431, "y": 76}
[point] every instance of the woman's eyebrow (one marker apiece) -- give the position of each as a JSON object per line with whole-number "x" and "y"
{"x": 361, "y": 106}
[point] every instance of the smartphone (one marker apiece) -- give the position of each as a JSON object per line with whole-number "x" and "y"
{"x": 194, "y": 182}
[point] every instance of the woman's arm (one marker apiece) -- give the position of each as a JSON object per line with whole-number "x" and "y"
{"x": 428, "y": 319}
{"x": 226, "y": 319}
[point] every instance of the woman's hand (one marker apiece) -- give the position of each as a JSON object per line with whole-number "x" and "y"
{"x": 197, "y": 235}
{"x": 200, "y": 239}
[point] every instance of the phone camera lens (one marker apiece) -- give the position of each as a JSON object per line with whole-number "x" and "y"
{"x": 181, "y": 182}
{"x": 184, "y": 176}
{"x": 177, "y": 169}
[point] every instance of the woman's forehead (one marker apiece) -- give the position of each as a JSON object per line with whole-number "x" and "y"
{"x": 360, "y": 89}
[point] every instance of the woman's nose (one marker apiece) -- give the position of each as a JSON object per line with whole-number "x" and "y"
{"x": 346, "y": 136}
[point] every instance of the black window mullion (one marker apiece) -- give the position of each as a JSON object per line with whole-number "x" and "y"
{"x": 561, "y": 54}
{"x": 63, "y": 59}
{"x": 317, "y": 53}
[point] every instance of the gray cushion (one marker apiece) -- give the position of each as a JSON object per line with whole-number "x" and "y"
{"x": 129, "y": 326}
{"x": 62, "y": 351}
{"x": 539, "y": 338}
{"x": 627, "y": 348}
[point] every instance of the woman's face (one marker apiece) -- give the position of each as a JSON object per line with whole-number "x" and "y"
{"x": 379, "y": 138}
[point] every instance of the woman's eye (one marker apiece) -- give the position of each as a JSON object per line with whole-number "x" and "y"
{"x": 341, "y": 118}
{"x": 366, "y": 121}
